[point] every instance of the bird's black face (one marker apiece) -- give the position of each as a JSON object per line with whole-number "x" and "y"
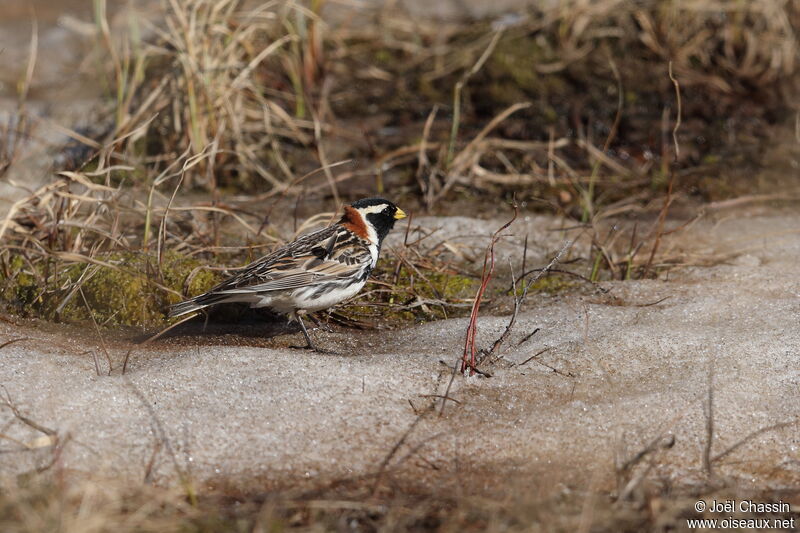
{"x": 380, "y": 214}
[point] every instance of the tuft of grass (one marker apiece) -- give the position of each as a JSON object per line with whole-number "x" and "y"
{"x": 272, "y": 88}
{"x": 213, "y": 73}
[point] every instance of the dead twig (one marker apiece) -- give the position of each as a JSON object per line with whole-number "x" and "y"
{"x": 12, "y": 341}
{"x": 535, "y": 359}
{"x": 750, "y": 436}
{"x": 527, "y": 337}
{"x": 709, "y": 411}
{"x": 679, "y": 113}
{"x": 470, "y": 351}
{"x": 97, "y": 330}
{"x": 534, "y": 356}
{"x": 468, "y": 358}
{"x": 519, "y": 300}
{"x": 22, "y": 418}
{"x": 397, "y": 446}
{"x": 668, "y": 200}
{"x": 661, "y": 442}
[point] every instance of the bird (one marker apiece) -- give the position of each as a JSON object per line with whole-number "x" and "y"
{"x": 314, "y": 272}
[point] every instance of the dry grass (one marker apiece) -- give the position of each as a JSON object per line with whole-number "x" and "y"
{"x": 73, "y": 504}
{"x": 588, "y": 68}
{"x": 70, "y": 502}
{"x": 221, "y": 98}
{"x": 74, "y": 231}
{"x": 188, "y": 111}
{"x": 16, "y": 129}
{"x": 214, "y": 76}
{"x": 273, "y": 89}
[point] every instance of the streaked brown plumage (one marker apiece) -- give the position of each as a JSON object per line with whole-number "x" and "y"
{"x": 312, "y": 273}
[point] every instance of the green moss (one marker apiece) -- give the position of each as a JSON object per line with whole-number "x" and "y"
{"x": 118, "y": 296}
{"x": 510, "y": 76}
{"x": 552, "y": 284}
{"x": 127, "y": 289}
{"x": 177, "y": 269}
{"x": 18, "y": 285}
{"x": 384, "y": 56}
{"x": 412, "y": 298}
{"x": 516, "y": 59}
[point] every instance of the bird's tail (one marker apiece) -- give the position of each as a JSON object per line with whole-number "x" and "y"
{"x": 196, "y": 303}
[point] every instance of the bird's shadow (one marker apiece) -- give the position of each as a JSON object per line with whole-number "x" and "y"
{"x": 225, "y": 324}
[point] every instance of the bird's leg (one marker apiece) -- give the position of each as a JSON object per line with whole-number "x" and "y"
{"x": 309, "y": 345}
{"x": 205, "y": 322}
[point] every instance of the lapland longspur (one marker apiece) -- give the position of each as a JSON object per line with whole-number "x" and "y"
{"x": 312, "y": 273}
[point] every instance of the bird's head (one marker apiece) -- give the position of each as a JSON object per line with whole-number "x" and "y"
{"x": 372, "y": 218}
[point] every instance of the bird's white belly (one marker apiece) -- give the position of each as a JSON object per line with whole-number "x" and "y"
{"x": 305, "y": 298}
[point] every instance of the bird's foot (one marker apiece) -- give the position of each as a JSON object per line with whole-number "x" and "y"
{"x": 309, "y": 345}
{"x": 313, "y": 348}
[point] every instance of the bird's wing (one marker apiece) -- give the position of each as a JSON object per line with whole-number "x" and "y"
{"x": 328, "y": 255}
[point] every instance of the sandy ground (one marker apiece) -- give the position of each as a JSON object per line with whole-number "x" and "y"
{"x": 619, "y": 371}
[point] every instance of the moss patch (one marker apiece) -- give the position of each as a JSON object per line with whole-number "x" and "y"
{"x": 18, "y": 283}
{"x": 552, "y": 284}
{"x": 123, "y": 288}
{"x": 409, "y": 297}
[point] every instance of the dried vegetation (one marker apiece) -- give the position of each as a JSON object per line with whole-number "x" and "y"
{"x": 224, "y": 114}
{"x": 71, "y": 503}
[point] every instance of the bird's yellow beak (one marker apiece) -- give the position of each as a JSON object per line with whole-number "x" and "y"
{"x": 399, "y": 214}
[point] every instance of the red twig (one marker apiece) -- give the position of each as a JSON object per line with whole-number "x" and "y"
{"x": 470, "y": 351}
